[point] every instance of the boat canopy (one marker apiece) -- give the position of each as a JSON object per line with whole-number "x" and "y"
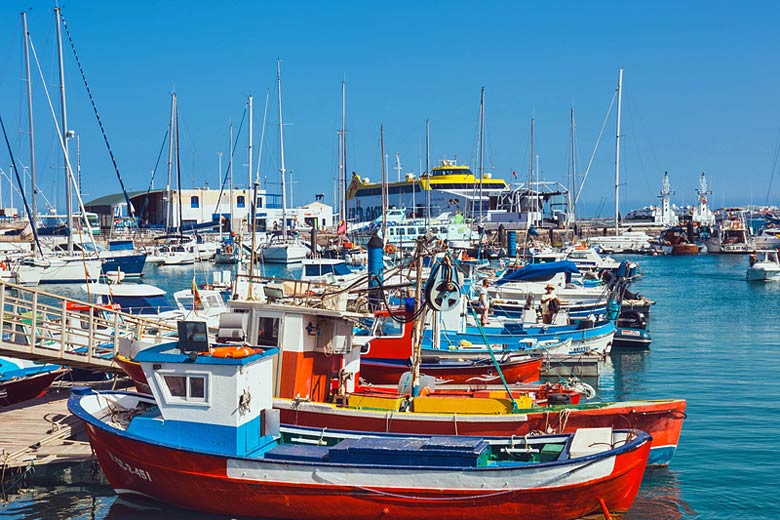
{"x": 539, "y": 272}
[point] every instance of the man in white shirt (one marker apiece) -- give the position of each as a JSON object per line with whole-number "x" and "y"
{"x": 549, "y": 310}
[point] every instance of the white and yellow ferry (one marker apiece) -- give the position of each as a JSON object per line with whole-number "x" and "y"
{"x": 452, "y": 188}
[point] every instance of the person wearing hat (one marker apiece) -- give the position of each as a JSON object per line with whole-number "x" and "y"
{"x": 550, "y": 304}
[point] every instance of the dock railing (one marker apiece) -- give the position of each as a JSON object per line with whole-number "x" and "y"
{"x": 41, "y": 326}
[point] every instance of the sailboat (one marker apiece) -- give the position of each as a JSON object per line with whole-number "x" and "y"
{"x": 71, "y": 267}
{"x": 283, "y": 248}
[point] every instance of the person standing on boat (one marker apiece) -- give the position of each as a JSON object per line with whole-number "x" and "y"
{"x": 484, "y": 302}
{"x": 550, "y": 304}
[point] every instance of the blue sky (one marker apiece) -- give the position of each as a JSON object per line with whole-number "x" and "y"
{"x": 701, "y": 89}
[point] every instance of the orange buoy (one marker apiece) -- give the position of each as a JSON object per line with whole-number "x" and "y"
{"x": 232, "y": 352}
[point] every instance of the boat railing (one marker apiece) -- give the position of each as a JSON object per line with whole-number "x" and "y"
{"x": 46, "y": 327}
{"x": 304, "y": 293}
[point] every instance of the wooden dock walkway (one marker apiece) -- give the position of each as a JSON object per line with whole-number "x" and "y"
{"x": 41, "y": 432}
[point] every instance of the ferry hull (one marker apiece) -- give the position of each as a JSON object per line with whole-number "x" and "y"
{"x": 251, "y": 487}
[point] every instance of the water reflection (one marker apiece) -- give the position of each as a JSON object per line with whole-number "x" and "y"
{"x": 628, "y": 373}
{"x": 659, "y": 497}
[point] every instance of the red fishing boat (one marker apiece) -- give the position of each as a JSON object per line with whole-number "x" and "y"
{"x": 316, "y": 386}
{"x": 210, "y": 426}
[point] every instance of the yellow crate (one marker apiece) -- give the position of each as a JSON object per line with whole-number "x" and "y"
{"x": 467, "y": 405}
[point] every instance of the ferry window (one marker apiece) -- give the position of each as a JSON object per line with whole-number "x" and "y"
{"x": 241, "y": 201}
{"x": 177, "y": 385}
{"x": 194, "y": 202}
{"x": 401, "y": 231}
{"x": 421, "y": 230}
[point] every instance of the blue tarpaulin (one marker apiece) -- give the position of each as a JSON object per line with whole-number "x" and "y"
{"x": 537, "y": 272}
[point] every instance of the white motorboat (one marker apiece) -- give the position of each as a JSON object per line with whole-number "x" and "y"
{"x": 768, "y": 238}
{"x": 626, "y": 242}
{"x": 765, "y": 266}
{"x": 329, "y": 270}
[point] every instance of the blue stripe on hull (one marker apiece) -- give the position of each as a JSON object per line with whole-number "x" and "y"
{"x": 130, "y": 265}
{"x": 661, "y": 456}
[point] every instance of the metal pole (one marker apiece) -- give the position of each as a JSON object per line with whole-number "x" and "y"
{"x": 30, "y": 120}
{"x": 249, "y": 179}
{"x": 63, "y": 109}
{"x": 281, "y": 149}
{"x": 617, "y": 150}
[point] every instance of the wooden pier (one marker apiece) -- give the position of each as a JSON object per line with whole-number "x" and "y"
{"x": 42, "y": 432}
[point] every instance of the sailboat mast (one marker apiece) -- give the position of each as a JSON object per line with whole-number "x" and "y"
{"x": 481, "y": 147}
{"x": 64, "y": 115}
{"x": 230, "y": 167}
{"x": 178, "y": 173}
{"x": 281, "y": 148}
{"x": 343, "y": 180}
{"x": 531, "y": 195}
{"x": 427, "y": 172}
{"x": 617, "y": 150}
{"x": 570, "y": 208}
{"x": 169, "y": 203}
{"x": 34, "y": 216}
{"x": 384, "y": 183}
{"x": 249, "y": 171}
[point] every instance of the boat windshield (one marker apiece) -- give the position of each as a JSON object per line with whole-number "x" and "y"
{"x": 451, "y": 171}
{"x": 143, "y": 304}
{"x": 339, "y": 269}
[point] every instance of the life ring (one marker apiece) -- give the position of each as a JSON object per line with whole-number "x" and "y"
{"x": 232, "y": 352}
{"x": 389, "y": 248}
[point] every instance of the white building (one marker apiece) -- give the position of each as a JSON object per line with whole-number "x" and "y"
{"x": 203, "y": 205}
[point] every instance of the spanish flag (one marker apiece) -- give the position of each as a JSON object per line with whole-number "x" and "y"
{"x": 196, "y": 301}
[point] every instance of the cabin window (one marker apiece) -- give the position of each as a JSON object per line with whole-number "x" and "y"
{"x": 197, "y": 387}
{"x": 387, "y": 326}
{"x": 189, "y": 387}
{"x": 241, "y": 201}
{"x": 194, "y": 201}
{"x": 401, "y": 231}
{"x": 177, "y": 385}
{"x": 268, "y": 332}
{"x": 421, "y": 230}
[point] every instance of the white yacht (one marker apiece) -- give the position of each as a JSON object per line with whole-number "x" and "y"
{"x": 764, "y": 266}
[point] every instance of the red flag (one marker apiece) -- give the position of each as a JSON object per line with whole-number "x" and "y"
{"x": 342, "y": 229}
{"x": 514, "y": 174}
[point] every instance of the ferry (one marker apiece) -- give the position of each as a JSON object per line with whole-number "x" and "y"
{"x": 450, "y": 186}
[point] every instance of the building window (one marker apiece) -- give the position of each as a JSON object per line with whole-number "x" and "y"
{"x": 194, "y": 202}
{"x": 241, "y": 201}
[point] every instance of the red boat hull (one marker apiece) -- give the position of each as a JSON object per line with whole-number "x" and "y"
{"x": 26, "y": 388}
{"x": 201, "y": 482}
{"x": 661, "y": 419}
{"x": 387, "y": 373}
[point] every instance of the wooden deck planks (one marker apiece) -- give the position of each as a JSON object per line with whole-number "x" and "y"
{"x": 42, "y": 431}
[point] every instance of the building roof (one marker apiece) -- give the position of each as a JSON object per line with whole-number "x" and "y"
{"x": 113, "y": 199}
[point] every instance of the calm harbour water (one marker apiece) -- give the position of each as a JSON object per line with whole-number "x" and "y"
{"x": 715, "y": 343}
